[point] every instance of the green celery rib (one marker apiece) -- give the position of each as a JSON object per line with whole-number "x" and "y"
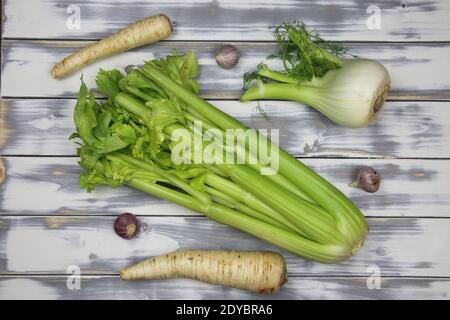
{"x": 241, "y": 195}
{"x": 272, "y": 234}
{"x": 135, "y": 106}
{"x": 177, "y": 182}
{"x": 216, "y": 116}
{"x": 228, "y": 188}
{"x": 351, "y": 221}
{"x": 231, "y": 203}
{"x": 225, "y": 187}
{"x": 310, "y": 219}
{"x": 138, "y": 93}
{"x": 277, "y": 178}
{"x": 191, "y": 111}
{"x": 277, "y": 236}
{"x": 138, "y": 108}
{"x": 349, "y": 217}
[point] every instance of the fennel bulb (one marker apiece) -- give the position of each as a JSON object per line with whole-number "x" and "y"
{"x": 351, "y": 96}
{"x": 350, "y": 92}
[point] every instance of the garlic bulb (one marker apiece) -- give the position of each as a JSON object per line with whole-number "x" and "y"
{"x": 228, "y": 56}
{"x": 126, "y": 225}
{"x": 368, "y": 179}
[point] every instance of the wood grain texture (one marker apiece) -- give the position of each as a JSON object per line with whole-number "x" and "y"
{"x": 47, "y": 223}
{"x": 405, "y": 129}
{"x": 232, "y": 19}
{"x": 36, "y": 186}
{"x": 416, "y": 69}
{"x": 49, "y": 244}
{"x": 297, "y": 288}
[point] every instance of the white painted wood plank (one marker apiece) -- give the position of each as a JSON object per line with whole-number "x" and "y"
{"x": 404, "y": 129}
{"x": 298, "y": 288}
{"x": 233, "y": 19}
{"x": 36, "y": 186}
{"x": 417, "y": 70}
{"x": 398, "y": 247}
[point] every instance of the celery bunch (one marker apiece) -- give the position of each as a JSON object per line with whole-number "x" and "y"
{"x": 129, "y": 140}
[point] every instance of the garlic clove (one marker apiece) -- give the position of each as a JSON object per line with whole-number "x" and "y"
{"x": 228, "y": 56}
{"x": 369, "y": 179}
{"x": 126, "y": 225}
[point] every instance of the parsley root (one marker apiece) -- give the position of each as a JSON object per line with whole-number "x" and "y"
{"x": 142, "y": 32}
{"x": 256, "y": 271}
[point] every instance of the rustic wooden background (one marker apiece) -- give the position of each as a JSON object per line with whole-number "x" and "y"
{"x": 48, "y": 224}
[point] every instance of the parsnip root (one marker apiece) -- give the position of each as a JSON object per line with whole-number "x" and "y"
{"x": 142, "y": 32}
{"x": 2, "y": 171}
{"x": 256, "y": 271}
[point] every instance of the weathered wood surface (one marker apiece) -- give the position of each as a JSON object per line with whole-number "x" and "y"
{"x": 298, "y": 288}
{"x": 416, "y": 69}
{"x": 404, "y": 129}
{"x": 47, "y": 223}
{"x": 36, "y": 186}
{"x": 49, "y": 244}
{"x": 232, "y": 19}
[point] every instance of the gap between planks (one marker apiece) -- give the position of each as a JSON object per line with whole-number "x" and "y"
{"x": 372, "y": 157}
{"x": 206, "y": 97}
{"x": 228, "y": 20}
{"x": 57, "y": 178}
{"x": 399, "y": 247}
{"x": 107, "y": 287}
{"x": 413, "y": 130}
{"x": 269, "y": 42}
{"x": 35, "y": 58}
